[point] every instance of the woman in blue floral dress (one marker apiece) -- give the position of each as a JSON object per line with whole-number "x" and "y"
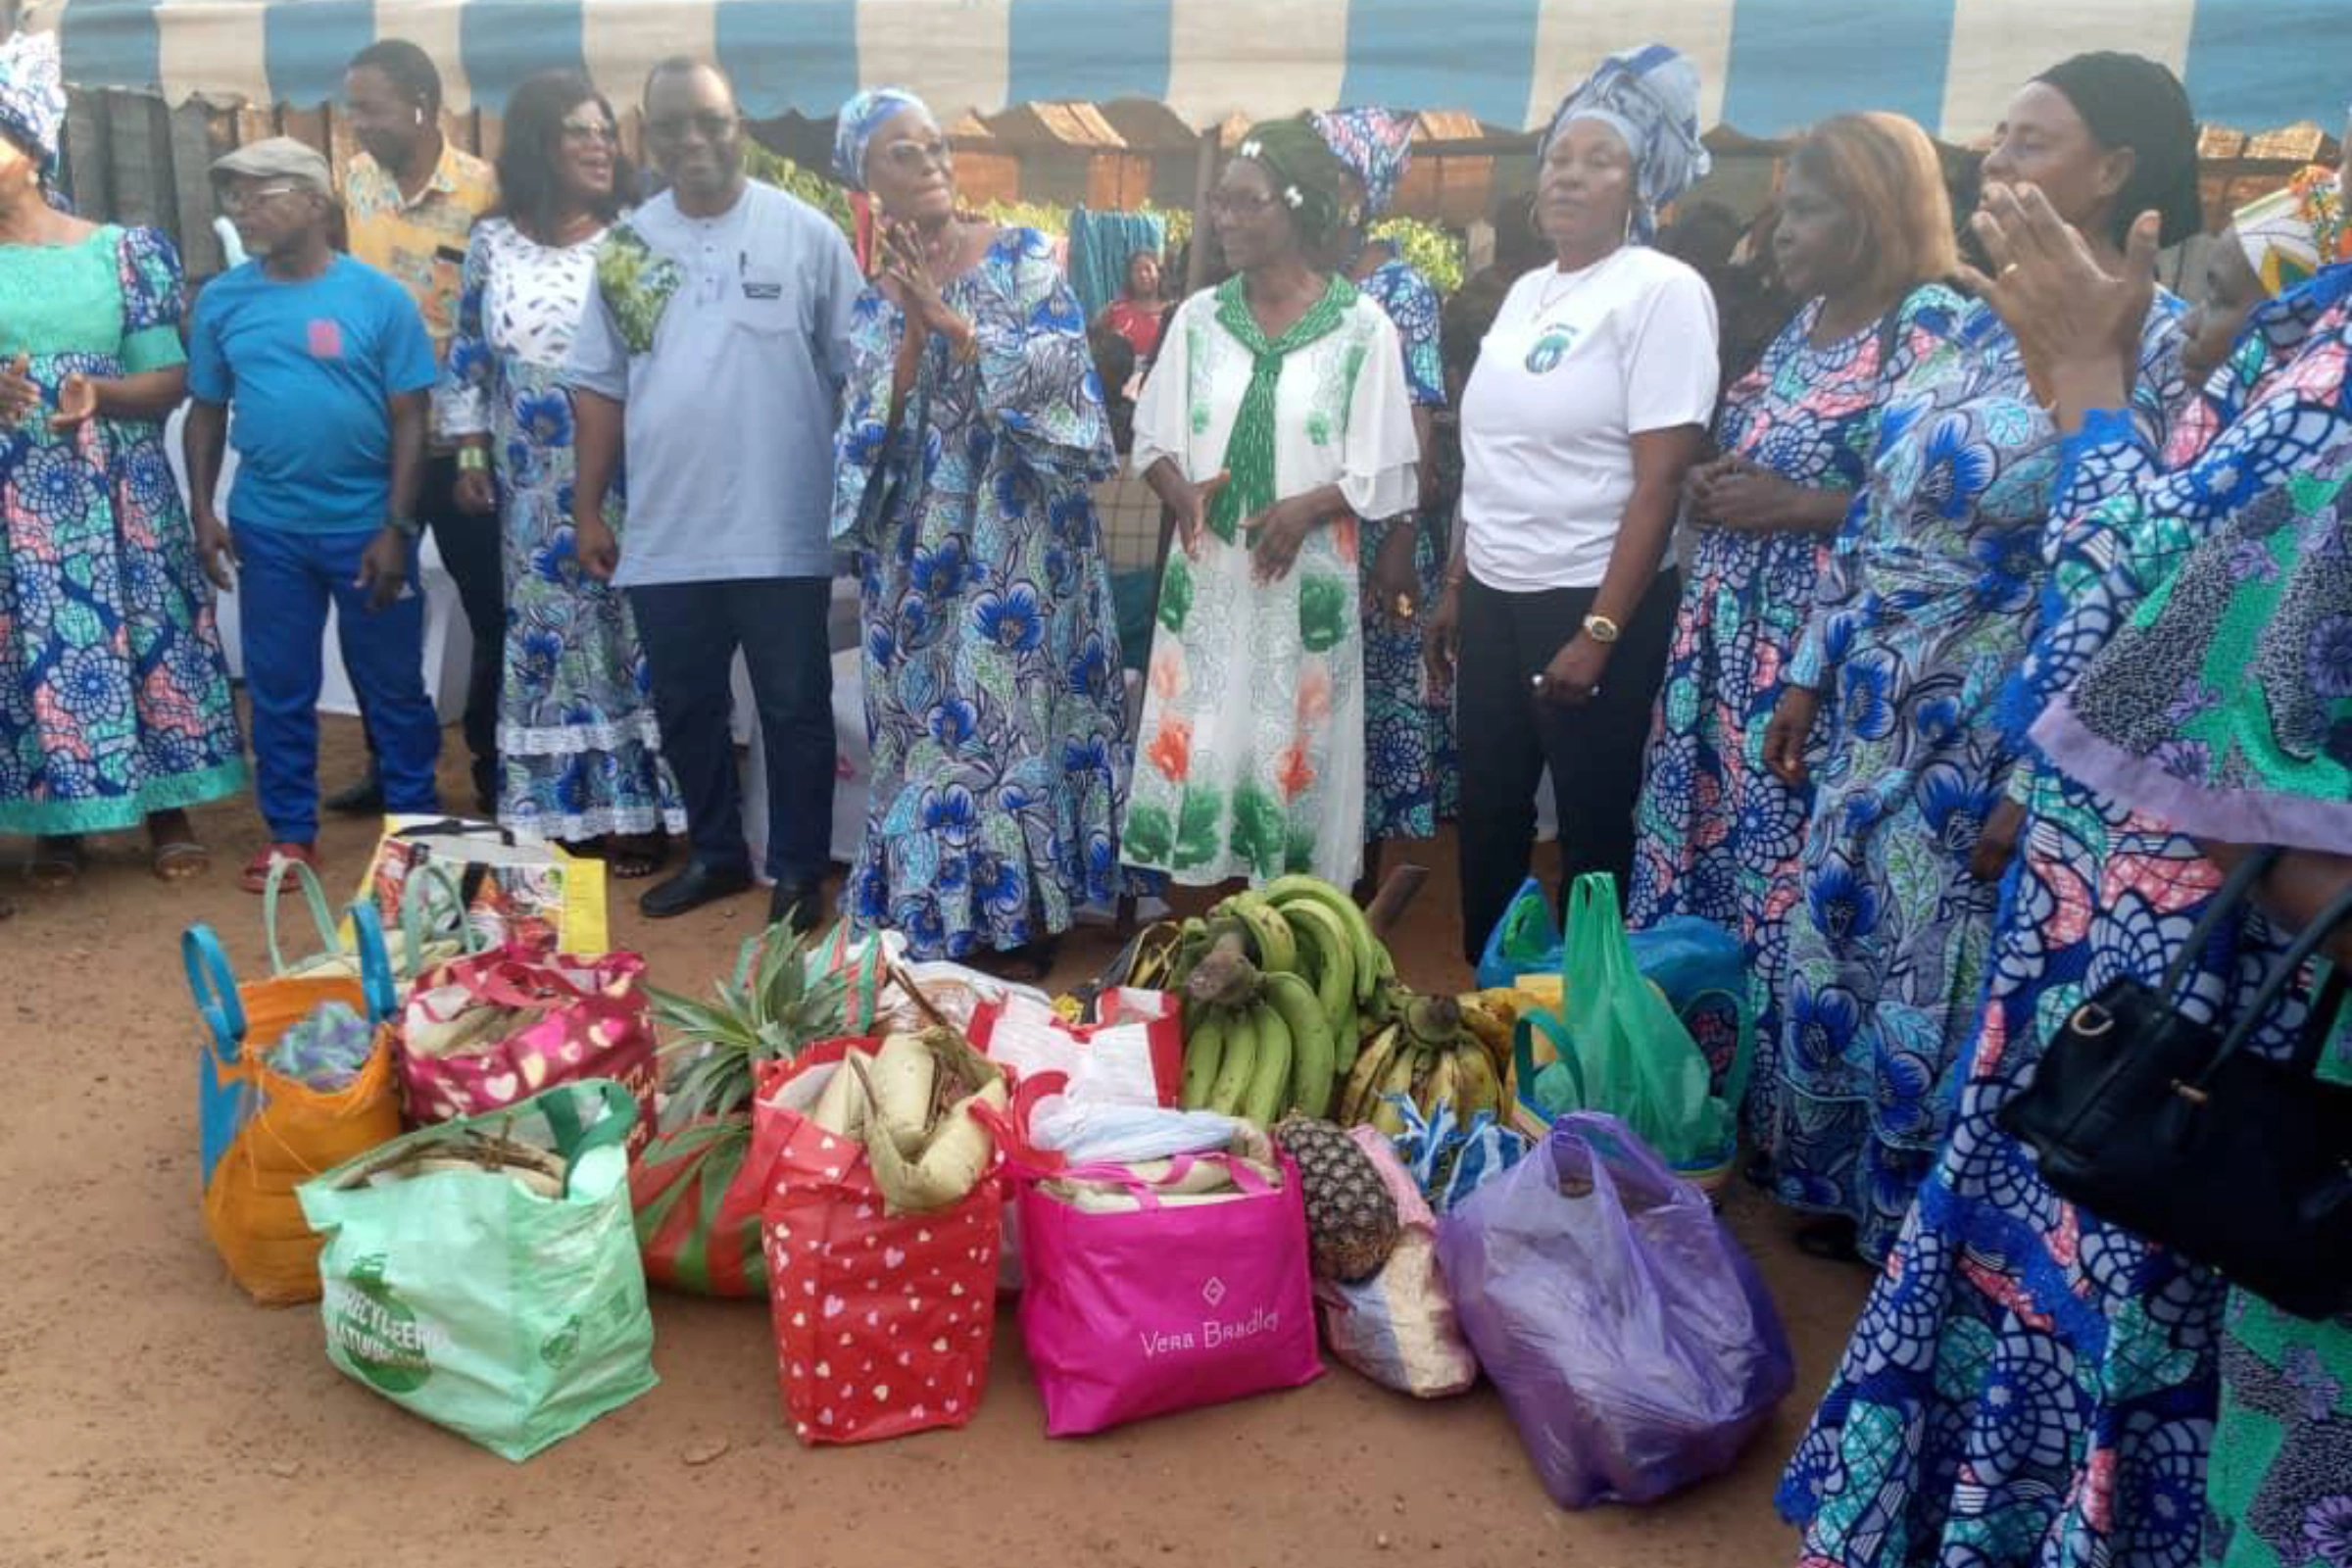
{"x": 1924, "y": 613}
{"x": 579, "y": 750}
{"x": 971, "y": 431}
{"x": 2030, "y": 1385}
{"x": 115, "y": 705}
{"x": 1864, "y": 233}
{"x": 1410, "y": 780}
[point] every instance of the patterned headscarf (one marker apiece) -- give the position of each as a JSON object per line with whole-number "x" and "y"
{"x": 863, "y": 115}
{"x": 1649, "y": 97}
{"x": 1375, "y": 144}
{"x": 2280, "y": 240}
{"x": 32, "y": 96}
{"x": 1309, "y": 176}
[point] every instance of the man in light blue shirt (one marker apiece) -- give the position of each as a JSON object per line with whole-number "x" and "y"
{"x": 711, "y": 352}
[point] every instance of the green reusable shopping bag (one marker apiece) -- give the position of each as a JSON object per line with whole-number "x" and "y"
{"x": 468, "y": 1299}
{"x": 1622, "y": 1049}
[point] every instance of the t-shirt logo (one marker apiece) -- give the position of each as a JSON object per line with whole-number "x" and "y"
{"x": 1549, "y": 350}
{"x": 326, "y": 340}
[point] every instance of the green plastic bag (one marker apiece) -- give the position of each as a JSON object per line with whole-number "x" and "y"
{"x": 468, "y": 1299}
{"x": 1622, "y": 1049}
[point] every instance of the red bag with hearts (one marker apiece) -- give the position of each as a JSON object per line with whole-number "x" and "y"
{"x": 883, "y": 1322}
{"x": 488, "y": 1029}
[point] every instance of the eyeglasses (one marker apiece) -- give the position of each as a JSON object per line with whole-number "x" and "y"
{"x": 600, "y": 131}
{"x": 914, "y": 157}
{"x": 1239, "y": 202}
{"x": 235, "y": 200}
{"x": 675, "y": 127}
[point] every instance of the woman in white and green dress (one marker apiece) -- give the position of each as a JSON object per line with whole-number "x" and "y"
{"x": 1276, "y": 416}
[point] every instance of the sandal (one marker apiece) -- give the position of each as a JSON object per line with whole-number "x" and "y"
{"x": 633, "y": 856}
{"x": 255, "y": 878}
{"x": 56, "y": 863}
{"x": 179, "y": 860}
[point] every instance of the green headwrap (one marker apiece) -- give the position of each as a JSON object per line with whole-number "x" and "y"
{"x": 1308, "y": 177}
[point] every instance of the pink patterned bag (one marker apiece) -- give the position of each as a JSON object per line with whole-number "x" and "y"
{"x": 1165, "y": 1308}
{"x": 572, "y": 1017}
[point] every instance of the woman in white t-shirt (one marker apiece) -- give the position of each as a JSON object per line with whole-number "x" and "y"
{"x": 1589, "y": 404}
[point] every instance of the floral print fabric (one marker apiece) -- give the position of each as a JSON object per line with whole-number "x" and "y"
{"x": 114, "y": 694}
{"x": 579, "y": 750}
{"x": 1408, "y": 729}
{"x": 1719, "y": 833}
{"x": 993, "y": 691}
{"x": 1924, "y": 609}
{"x": 2028, "y": 1385}
{"x": 1252, "y": 759}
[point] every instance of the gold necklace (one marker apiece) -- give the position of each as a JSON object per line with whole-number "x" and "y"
{"x": 1546, "y": 299}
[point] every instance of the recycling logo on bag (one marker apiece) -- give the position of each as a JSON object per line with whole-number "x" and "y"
{"x": 377, "y": 1331}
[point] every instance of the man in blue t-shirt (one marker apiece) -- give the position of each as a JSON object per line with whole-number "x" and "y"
{"x": 328, "y": 367}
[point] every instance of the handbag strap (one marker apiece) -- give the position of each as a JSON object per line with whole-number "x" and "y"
{"x": 2234, "y": 891}
{"x": 422, "y": 922}
{"x": 2285, "y": 972}
{"x": 616, "y": 1115}
{"x": 1743, "y": 1053}
{"x": 281, "y": 867}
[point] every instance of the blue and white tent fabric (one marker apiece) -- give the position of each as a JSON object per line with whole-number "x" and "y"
{"x": 1770, "y": 65}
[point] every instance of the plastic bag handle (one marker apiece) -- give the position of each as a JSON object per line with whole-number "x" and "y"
{"x": 617, "y": 1115}
{"x": 1009, "y": 1127}
{"x": 272, "y": 890}
{"x": 1146, "y": 1193}
{"x": 214, "y": 987}
{"x": 1523, "y": 1053}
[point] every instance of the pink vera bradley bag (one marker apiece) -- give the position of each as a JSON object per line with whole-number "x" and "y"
{"x": 1167, "y": 1307}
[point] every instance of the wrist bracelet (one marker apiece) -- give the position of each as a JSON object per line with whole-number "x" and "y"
{"x": 474, "y": 460}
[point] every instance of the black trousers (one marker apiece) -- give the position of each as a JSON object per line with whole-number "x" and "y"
{"x": 691, "y": 631}
{"x": 472, "y": 554}
{"x": 1508, "y": 735}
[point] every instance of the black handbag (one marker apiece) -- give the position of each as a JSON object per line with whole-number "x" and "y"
{"x": 2170, "y": 1128}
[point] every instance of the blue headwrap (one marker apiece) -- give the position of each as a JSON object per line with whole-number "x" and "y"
{"x": 1376, "y": 145}
{"x": 863, "y": 115}
{"x": 32, "y": 96}
{"x": 1649, "y": 97}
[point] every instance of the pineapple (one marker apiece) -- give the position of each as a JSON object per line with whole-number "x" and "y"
{"x": 1352, "y": 1224}
{"x": 772, "y": 1009}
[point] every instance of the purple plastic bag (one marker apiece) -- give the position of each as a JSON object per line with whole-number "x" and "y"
{"x": 1630, "y": 1336}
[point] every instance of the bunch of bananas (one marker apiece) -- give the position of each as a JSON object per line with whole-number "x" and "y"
{"x": 1293, "y": 925}
{"x": 1257, "y": 1044}
{"x": 1437, "y": 1050}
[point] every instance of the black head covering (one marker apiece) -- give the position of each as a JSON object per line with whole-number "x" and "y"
{"x": 2129, "y": 101}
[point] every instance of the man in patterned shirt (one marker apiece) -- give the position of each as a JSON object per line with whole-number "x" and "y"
{"x": 409, "y": 200}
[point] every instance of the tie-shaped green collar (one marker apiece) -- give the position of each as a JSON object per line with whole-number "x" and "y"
{"x": 1248, "y": 461}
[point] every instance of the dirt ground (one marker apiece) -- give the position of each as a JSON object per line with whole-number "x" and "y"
{"x": 153, "y": 1415}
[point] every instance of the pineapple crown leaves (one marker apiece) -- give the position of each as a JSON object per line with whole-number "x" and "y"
{"x": 770, "y": 1009}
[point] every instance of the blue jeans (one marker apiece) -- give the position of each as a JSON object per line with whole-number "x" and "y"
{"x": 691, "y": 631}
{"x": 287, "y": 579}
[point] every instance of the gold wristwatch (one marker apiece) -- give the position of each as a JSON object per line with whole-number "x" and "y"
{"x": 1600, "y": 628}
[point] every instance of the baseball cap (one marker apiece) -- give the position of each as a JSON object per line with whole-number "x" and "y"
{"x": 277, "y": 157}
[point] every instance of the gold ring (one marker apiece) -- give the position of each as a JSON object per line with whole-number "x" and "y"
{"x": 2011, "y": 268}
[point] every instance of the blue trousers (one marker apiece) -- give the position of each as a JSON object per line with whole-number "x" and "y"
{"x": 691, "y": 631}
{"x": 287, "y": 579}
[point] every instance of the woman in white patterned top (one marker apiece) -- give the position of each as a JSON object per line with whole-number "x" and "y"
{"x": 579, "y": 753}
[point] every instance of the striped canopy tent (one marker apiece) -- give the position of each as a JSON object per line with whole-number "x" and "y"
{"x": 1769, "y": 66}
